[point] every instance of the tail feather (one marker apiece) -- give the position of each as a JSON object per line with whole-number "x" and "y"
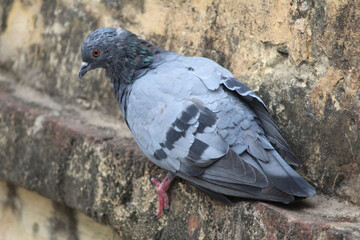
{"x": 284, "y": 177}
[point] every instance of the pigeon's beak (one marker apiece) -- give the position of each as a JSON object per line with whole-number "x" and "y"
{"x": 84, "y": 68}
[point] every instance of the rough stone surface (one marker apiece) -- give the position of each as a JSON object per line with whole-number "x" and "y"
{"x": 86, "y": 166}
{"x": 302, "y": 57}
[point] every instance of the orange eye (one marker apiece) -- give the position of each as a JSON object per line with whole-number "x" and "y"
{"x": 96, "y": 53}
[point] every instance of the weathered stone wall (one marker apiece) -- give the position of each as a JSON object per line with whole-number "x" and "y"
{"x": 302, "y": 57}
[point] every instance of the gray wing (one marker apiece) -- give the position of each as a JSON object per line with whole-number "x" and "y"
{"x": 271, "y": 130}
{"x": 256, "y": 135}
{"x": 191, "y": 117}
{"x": 206, "y": 159}
{"x": 220, "y": 77}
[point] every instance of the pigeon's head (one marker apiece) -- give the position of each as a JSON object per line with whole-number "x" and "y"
{"x": 100, "y": 48}
{"x": 117, "y": 50}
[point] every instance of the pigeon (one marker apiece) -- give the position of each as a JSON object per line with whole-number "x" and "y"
{"x": 193, "y": 118}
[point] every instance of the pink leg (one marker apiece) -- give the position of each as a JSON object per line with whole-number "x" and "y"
{"x": 162, "y": 187}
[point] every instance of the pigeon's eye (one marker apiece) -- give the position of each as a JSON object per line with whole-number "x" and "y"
{"x": 96, "y": 53}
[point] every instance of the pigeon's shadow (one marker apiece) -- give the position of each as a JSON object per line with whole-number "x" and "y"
{"x": 297, "y": 205}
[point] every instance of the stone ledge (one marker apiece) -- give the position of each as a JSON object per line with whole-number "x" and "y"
{"x": 28, "y": 216}
{"x": 64, "y": 155}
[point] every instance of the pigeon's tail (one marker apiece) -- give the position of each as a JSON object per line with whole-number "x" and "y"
{"x": 268, "y": 194}
{"x": 280, "y": 183}
{"x": 219, "y": 191}
{"x": 284, "y": 184}
{"x": 284, "y": 177}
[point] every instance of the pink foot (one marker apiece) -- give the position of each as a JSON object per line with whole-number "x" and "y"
{"x": 162, "y": 187}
